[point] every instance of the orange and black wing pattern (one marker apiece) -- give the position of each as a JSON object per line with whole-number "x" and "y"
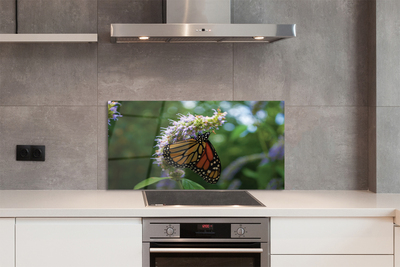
{"x": 183, "y": 154}
{"x": 197, "y": 154}
{"x": 209, "y": 165}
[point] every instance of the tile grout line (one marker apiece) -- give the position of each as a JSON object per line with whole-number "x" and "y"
{"x": 97, "y": 98}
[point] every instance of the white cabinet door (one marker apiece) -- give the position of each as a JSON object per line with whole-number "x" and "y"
{"x": 332, "y": 235}
{"x": 80, "y": 242}
{"x": 331, "y": 260}
{"x": 397, "y": 246}
{"x": 7, "y": 245}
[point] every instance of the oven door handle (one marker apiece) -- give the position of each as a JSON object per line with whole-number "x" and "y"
{"x": 206, "y": 250}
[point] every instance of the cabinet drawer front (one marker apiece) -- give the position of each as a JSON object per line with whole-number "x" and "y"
{"x": 332, "y": 260}
{"x": 332, "y": 235}
{"x": 7, "y": 226}
{"x": 67, "y": 242}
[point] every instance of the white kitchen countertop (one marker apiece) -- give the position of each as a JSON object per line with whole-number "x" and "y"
{"x": 115, "y": 203}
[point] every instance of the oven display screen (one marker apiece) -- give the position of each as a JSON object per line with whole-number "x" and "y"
{"x": 205, "y": 230}
{"x": 205, "y": 227}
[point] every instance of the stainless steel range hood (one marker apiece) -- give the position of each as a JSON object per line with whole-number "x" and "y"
{"x": 191, "y": 21}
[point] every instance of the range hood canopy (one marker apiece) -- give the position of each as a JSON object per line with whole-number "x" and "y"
{"x": 191, "y": 21}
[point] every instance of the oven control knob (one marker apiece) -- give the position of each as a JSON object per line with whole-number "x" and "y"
{"x": 240, "y": 231}
{"x": 170, "y": 231}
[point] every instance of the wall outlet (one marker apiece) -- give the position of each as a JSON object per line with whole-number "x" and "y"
{"x": 31, "y": 153}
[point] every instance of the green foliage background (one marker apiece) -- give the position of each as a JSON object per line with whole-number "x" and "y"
{"x": 243, "y": 147}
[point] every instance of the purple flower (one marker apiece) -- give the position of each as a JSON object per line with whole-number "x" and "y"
{"x": 113, "y": 114}
{"x": 277, "y": 151}
{"x": 264, "y": 161}
{"x": 275, "y": 184}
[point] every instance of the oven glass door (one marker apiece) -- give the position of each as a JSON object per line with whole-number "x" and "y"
{"x": 205, "y": 254}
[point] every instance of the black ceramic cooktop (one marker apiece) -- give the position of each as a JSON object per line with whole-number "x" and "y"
{"x": 199, "y": 198}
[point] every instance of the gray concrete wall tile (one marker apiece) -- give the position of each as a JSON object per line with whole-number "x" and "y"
{"x": 57, "y": 16}
{"x": 164, "y": 72}
{"x": 385, "y": 150}
{"x": 260, "y": 72}
{"x": 48, "y": 74}
{"x": 372, "y": 59}
{"x": 326, "y": 64}
{"x": 7, "y": 16}
{"x": 372, "y": 174}
{"x": 326, "y": 148}
{"x": 102, "y": 148}
{"x": 70, "y": 137}
{"x": 388, "y": 56}
{"x": 388, "y": 149}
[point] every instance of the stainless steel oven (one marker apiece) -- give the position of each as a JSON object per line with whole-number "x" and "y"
{"x": 191, "y": 242}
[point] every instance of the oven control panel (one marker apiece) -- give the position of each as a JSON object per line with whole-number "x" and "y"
{"x": 165, "y": 230}
{"x": 223, "y": 229}
{"x": 239, "y": 230}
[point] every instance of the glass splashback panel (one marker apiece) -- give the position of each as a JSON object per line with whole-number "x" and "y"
{"x": 220, "y": 145}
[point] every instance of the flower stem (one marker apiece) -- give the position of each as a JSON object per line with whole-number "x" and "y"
{"x": 180, "y": 184}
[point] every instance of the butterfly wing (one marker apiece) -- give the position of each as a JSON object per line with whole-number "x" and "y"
{"x": 208, "y": 165}
{"x": 183, "y": 154}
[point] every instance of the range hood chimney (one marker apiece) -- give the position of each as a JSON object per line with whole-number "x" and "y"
{"x": 195, "y": 21}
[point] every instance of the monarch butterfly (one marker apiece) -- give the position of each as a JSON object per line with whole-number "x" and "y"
{"x": 197, "y": 154}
